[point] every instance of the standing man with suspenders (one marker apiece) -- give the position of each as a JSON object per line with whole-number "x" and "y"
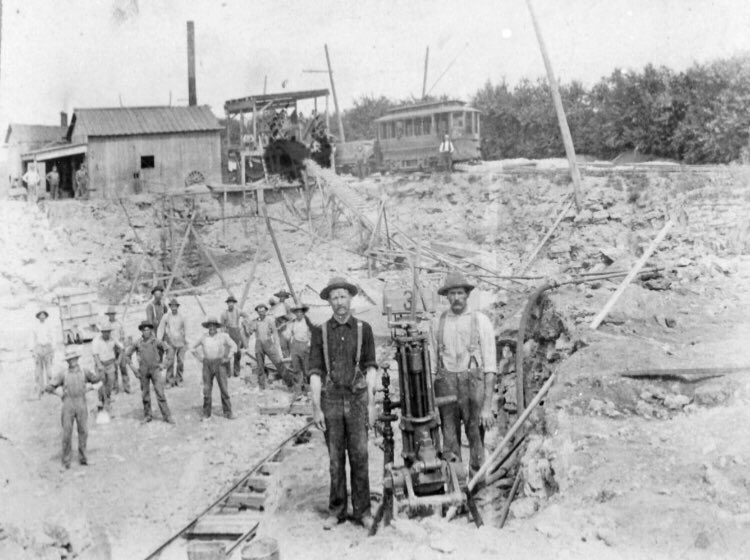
{"x": 464, "y": 363}
{"x": 343, "y": 372}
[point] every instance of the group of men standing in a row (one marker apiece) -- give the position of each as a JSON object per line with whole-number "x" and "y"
{"x": 36, "y": 187}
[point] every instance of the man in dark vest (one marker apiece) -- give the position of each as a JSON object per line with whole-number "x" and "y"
{"x": 343, "y": 372}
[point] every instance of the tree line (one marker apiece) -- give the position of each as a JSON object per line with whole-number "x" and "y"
{"x": 699, "y": 115}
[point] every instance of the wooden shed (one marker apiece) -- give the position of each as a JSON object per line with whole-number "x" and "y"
{"x": 139, "y": 149}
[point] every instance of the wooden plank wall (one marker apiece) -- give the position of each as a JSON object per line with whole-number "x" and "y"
{"x": 113, "y": 160}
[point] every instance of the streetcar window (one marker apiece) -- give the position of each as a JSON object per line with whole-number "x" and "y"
{"x": 392, "y": 131}
{"x": 399, "y": 129}
{"x": 469, "y": 120}
{"x": 409, "y": 128}
{"x": 427, "y": 125}
{"x": 441, "y": 122}
{"x": 458, "y": 121}
{"x": 417, "y": 127}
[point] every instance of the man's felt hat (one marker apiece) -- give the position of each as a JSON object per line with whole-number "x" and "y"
{"x": 455, "y": 280}
{"x": 145, "y": 325}
{"x": 72, "y": 353}
{"x": 105, "y": 326}
{"x": 231, "y": 298}
{"x": 335, "y": 283}
{"x": 282, "y": 294}
{"x": 300, "y": 307}
{"x": 173, "y": 301}
{"x": 156, "y": 289}
{"x": 263, "y": 305}
{"x": 210, "y": 321}
{"x": 40, "y": 312}
{"x": 111, "y": 310}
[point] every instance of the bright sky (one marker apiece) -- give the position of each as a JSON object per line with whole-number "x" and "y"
{"x": 77, "y": 53}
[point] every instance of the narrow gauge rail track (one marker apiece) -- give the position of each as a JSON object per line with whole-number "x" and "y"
{"x": 235, "y": 516}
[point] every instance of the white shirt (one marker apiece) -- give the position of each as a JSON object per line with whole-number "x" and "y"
{"x": 174, "y": 327}
{"x": 446, "y": 146}
{"x": 456, "y": 340}
{"x": 219, "y": 346}
{"x": 42, "y": 334}
{"x": 105, "y": 349}
{"x": 300, "y": 332}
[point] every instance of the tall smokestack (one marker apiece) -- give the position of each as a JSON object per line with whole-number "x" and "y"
{"x": 192, "y": 95}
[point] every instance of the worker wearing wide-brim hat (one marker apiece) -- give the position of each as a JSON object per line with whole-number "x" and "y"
{"x": 463, "y": 358}
{"x": 172, "y": 329}
{"x": 74, "y": 409}
{"x": 342, "y": 383}
{"x": 43, "y": 350}
{"x": 152, "y": 358}
{"x": 104, "y": 350}
{"x": 267, "y": 344}
{"x": 300, "y": 334}
{"x": 155, "y": 309}
{"x": 232, "y": 319}
{"x": 215, "y": 350}
{"x": 118, "y": 334}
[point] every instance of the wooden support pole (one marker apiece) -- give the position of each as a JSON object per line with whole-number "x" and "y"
{"x": 513, "y": 490}
{"x": 251, "y": 276}
{"x": 335, "y": 99}
{"x": 561, "y": 119}
{"x": 178, "y": 258}
{"x": 136, "y": 279}
{"x": 279, "y": 255}
{"x": 632, "y": 274}
{"x": 543, "y": 242}
{"x": 211, "y": 260}
{"x": 424, "y": 81}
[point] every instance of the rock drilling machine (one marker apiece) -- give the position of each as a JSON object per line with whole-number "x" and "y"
{"x": 423, "y": 477}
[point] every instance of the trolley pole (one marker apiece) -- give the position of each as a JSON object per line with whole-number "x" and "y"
{"x": 335, "y": 99}
{"x": 424, "y": 81}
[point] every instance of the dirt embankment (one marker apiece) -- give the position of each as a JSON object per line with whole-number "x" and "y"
{"x": 613, "y": 459}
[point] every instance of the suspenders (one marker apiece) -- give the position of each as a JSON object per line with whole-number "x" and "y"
{"x": 324, "y": 328}
{"x": 473, "y": 340}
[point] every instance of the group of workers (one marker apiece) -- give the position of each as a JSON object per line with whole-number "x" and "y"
{"x": 342, "y": 373}
{"x": 36, "y": 186}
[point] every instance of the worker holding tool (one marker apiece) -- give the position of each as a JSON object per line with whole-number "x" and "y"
{"x": 73, "y": 382}
{"x": 266, "y": 344}
{"x": 463, "y": 358}
{"x": 231, "y": 321}
{"x": 152, "y": 355}
{"x": 118, "y": 334}
{"x": 104, "y": 349}
{"x": 342, "y": 383}
{"x": 172, "y": 331}
{"x": 217, "y": 349}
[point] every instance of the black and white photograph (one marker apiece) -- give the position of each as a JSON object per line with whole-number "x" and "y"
{"x": 374, "y": 280}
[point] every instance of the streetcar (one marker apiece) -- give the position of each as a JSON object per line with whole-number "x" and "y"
{"x": 408, "y": 137}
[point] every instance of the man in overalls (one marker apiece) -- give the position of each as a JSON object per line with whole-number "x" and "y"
{"x": 73, "y": 383}
{"x": 152, "y": 356}
{"x": 266, "y": 344}
{"x": 342, "y": 383}
{"x": 463, "y": 357}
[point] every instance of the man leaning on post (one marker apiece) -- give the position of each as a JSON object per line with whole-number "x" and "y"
{"x": 342, "y": 382}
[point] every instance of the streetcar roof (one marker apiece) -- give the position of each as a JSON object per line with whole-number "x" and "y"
{"x": 425, "y": 109}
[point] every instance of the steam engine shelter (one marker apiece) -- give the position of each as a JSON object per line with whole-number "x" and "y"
{"x": 130, "y": 150}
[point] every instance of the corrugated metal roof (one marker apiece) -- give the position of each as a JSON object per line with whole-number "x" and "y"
{"x": 128, "y": 121}
{"x": 35, "y": 133}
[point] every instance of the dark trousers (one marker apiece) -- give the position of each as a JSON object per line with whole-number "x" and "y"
{"x": 345, "y": 415}
{"x": 109, "y": 375}
{"x": 153, "y": 375}
{"x": 74, "y": 410}
{"x": 215, "y": 369}
{"x": 121, "y": 371}
{"x": 263, "y": 349}
{"x": 468, "y": 387}
{"x": 300, "y": 353}
{"x": 176, "y": 366}
{"x": 236, "y": 336}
